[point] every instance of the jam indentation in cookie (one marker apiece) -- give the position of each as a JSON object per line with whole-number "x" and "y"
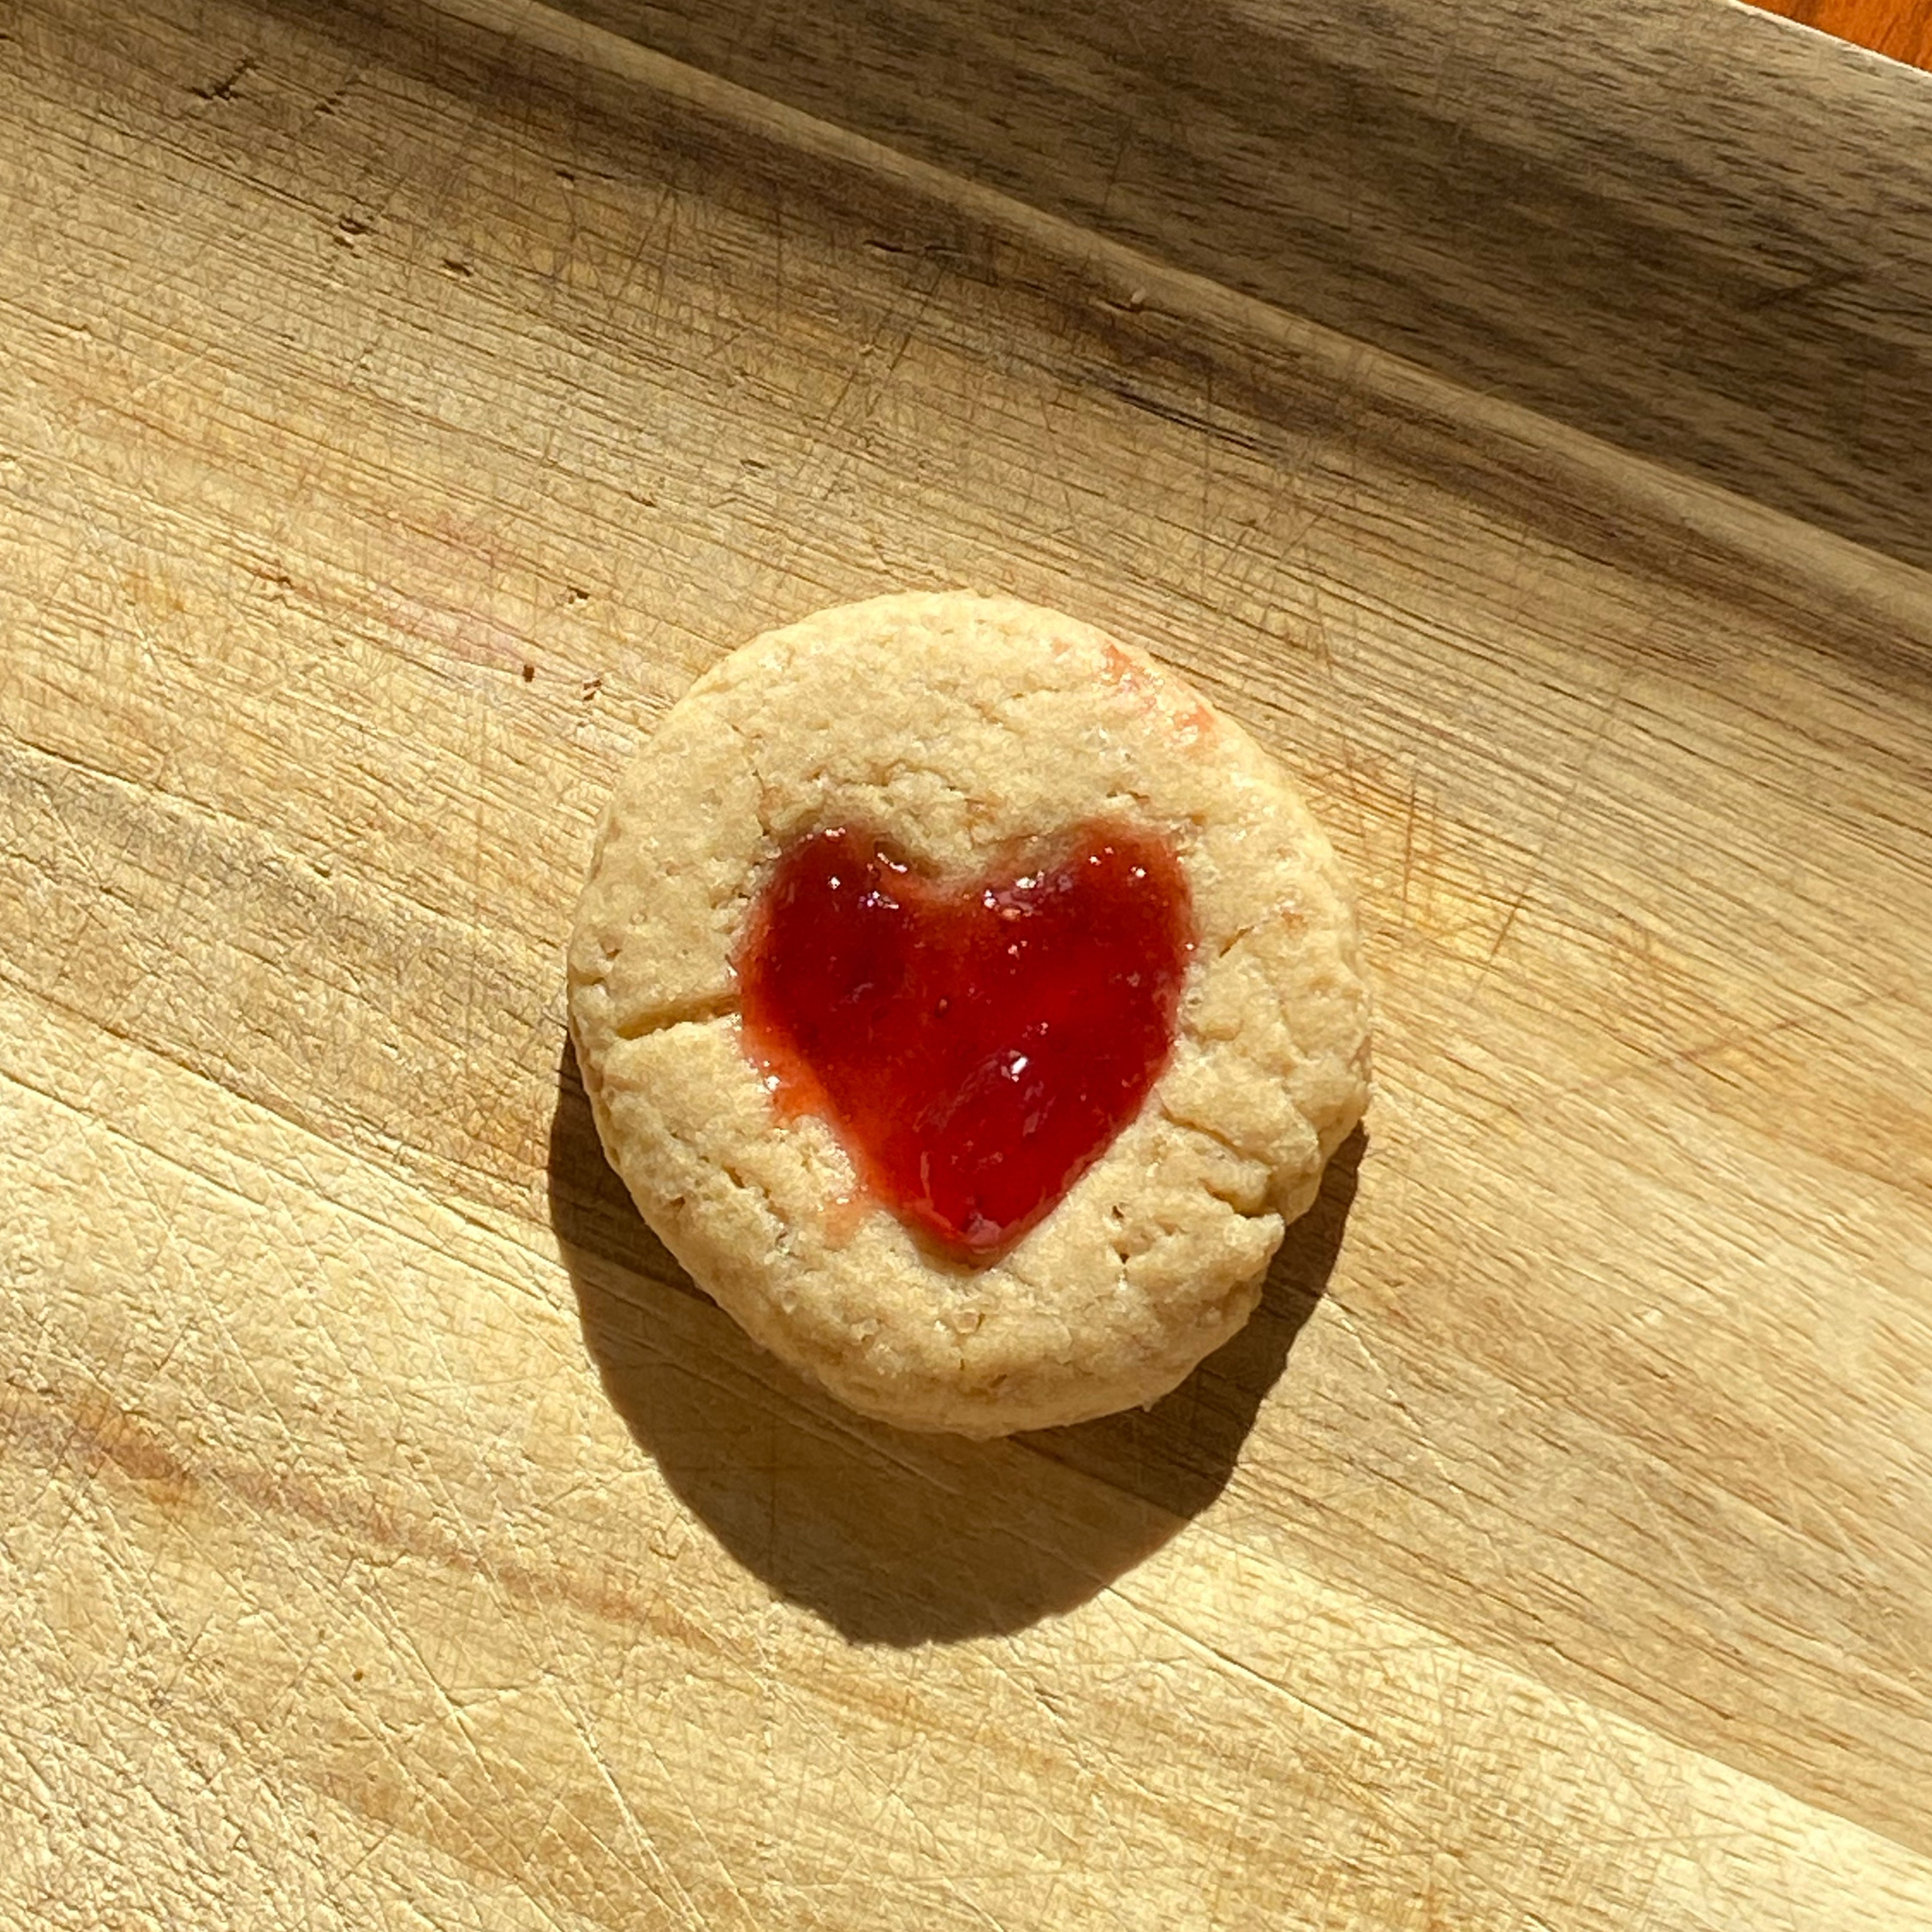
{"x": 976, "y": 1044}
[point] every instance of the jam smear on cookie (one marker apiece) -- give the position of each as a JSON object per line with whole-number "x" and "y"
{"x": 976, "y": 1045}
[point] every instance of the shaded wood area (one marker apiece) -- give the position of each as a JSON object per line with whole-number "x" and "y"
{"x": 1682, "y": 226}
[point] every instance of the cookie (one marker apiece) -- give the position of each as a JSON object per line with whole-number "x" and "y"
{"x": 969, "y": 1007}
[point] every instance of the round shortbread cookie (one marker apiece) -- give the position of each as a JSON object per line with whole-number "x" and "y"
{"x": 961, "y": 728}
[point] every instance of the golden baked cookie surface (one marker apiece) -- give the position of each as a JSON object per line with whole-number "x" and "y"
{"x": 961, "y": 728}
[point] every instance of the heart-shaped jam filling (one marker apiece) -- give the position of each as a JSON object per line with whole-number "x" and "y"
{"x": 976, "y": 1045}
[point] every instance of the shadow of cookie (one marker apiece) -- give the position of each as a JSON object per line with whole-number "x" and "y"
{"x": 894, "y": 1538}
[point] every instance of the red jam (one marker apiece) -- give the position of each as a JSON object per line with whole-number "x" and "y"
{"x": 976, "y": 1044}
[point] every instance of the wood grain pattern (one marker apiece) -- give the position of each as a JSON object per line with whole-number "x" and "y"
{"x": 1900, "y": 29}
{"x": 402, "y": 402}
{"x": 1683, "y": 226}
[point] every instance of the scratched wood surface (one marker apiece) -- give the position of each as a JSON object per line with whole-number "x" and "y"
{"x": 1687, "y": 226}
{"x": 398, "y": 405}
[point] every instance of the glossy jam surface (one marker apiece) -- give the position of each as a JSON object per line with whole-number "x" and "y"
{"x": 976, "y": 1044}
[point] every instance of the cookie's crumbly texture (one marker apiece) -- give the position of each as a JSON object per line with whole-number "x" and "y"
{"x": 957, "y": 725}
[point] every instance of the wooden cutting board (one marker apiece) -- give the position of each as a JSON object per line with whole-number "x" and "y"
{"x": 397, "y": 409}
